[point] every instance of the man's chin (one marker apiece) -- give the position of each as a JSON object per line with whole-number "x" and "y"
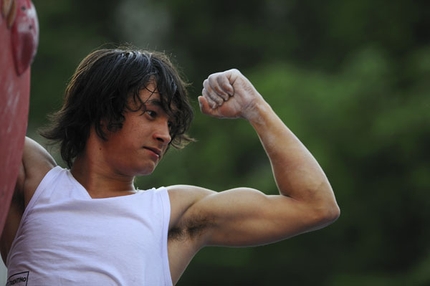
{"x": 146, "y": 172}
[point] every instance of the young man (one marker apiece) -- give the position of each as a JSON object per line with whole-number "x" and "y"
{"x": 89, "y": 225}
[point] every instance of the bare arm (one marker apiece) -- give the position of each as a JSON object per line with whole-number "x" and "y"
{"x": 244, "y": 216}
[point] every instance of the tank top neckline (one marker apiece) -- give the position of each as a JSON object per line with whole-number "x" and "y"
{"x": 86, "y": 195}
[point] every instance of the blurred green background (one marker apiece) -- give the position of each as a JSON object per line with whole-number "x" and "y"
{"x": 350, "y": 78}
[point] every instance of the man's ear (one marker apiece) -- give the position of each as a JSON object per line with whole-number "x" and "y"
{"x": 103, "y": 123}
{"x": 109, "y": 127}
{"x": 101, "y": 130}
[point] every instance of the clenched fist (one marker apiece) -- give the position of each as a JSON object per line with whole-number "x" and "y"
{"x": 229, "y": 94}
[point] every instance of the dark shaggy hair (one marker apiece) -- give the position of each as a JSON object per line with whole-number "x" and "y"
{"x": 101, "y": 88}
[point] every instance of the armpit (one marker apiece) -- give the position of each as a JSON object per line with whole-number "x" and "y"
{"x": 191, "y": 228}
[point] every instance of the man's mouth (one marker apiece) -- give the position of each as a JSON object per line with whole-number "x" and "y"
{"x": 154, "y": 150}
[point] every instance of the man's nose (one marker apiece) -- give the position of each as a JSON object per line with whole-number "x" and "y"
{"x": 162, "y": 133}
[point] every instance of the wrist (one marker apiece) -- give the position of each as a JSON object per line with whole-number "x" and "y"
{"x": 257, "y": 113}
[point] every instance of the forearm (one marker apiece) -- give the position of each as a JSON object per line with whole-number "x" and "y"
{"x": 297, "y": 173}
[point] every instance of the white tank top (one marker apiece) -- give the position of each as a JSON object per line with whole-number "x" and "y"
{"x": 68, "y": 238}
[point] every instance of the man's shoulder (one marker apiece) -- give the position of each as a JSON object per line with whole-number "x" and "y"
{"x": 184, "y": 198}
{"x": 188, "y": 192}
{"x": 36, "y": 163}
{"x": 187, "y": 216}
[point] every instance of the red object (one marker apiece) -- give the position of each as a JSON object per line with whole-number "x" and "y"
{"x": 18, "y": 45}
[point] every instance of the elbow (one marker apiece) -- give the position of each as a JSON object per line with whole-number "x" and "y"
{"x": 326, "y": 214}
{"x": 326, "y": 209}
{"x": 332, "y": 213}
{"x": 321, "y": 213}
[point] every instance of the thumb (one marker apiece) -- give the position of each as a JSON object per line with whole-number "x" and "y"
{"x": 204, "y": 105}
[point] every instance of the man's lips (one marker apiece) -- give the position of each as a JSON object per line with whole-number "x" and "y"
{"x": 157, "y": 151}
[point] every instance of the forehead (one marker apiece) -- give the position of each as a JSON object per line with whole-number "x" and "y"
{"x": 149, "y": 93}
{"x": 150, "y": 96}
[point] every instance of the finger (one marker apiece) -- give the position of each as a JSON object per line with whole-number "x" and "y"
{"x": 213, "y": 97}
{"x": 219, "y": 83}
{"x": 204, "y": 105}
{"x": 225, "y": 86}
{"x": 208, "y": 99}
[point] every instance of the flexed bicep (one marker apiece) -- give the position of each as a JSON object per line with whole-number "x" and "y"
{"x": 247, "y": 217}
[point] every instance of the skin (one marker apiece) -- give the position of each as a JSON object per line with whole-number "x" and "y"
{"x": 199, "y": 217}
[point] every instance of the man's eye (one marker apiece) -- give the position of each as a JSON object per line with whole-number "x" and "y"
{"x": 151, "y": 113}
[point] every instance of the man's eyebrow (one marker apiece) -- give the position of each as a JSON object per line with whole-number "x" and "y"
{"x": 155, "y": 102}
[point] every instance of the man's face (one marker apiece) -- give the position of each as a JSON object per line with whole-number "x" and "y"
{"x": 139, "y": 145}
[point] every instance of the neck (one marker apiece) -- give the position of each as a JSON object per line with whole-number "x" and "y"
{"x": 99, "y": 181}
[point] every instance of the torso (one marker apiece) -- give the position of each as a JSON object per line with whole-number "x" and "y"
{"x": 182, "y": 243}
